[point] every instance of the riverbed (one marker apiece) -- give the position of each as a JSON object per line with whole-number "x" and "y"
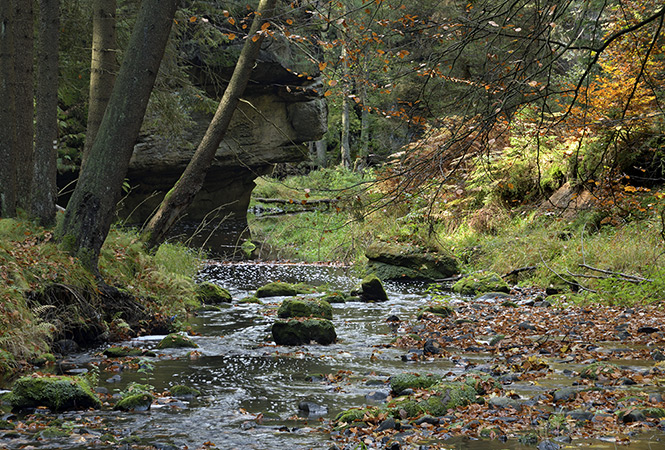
{"x": 256, "y": 395}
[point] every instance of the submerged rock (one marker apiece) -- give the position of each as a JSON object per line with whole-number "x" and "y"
{"x": 182, "y": 391}
{"x": 312, "y": 409}
{"x": 176, "y": 340}
{"x": 296, "y": 332}
{"x": 392, "y": 261}
{"x": 437, "y": 308}
{"x": 56, "y": 393}
{"x": 211, "y": 293}
{"x": 480, "y": 283}
{"x": 443, "y": 396}
{"x": 305, "y": 307}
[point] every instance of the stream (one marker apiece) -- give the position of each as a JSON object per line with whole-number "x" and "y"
{"x": 251, "y": 389}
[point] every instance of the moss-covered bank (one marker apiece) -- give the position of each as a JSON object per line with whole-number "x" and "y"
{"x": 47, "y": 296}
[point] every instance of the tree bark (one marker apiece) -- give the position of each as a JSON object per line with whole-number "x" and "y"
{"x": 91, "y": 209}
{"x": 103, "y": 67}
{"x": 44, "y": 188}
{"x": 23, "y": 98}
{"x": 190, "y": 182}
{"x": 345, "y": 146}
{"x": 7, "y": 112}
{"x": 321, "y": 147}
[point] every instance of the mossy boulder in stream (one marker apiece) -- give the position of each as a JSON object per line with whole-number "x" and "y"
{"x": 175, "y": 340}
{"x": 182, "y": 391}
{"x": 305, "y": 307}
{"x": 56, "y": 393}
{"x": 391, "y": 261}
{"x": 371, "y": 289}
{"x": 299, "y": 332}
{"x": 282, "y": 289}
{"x": 211, "y": 294}
{"x": 436, "y": 308}
{"x": 479, "y": 283}
{"x": 135, "y": 402}
{"x": 443, "y": 396}
{"x": 403, "y": 381}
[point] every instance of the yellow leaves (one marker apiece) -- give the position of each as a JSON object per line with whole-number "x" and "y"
{"x": 230, "y": 36}
{"x": 322, "y": 66}
{"x": 231, "y": 20}
{"x": 192, "y": 19}
{"x": 332, "y": 83}
{"x": 327, "y": 94}
{"x": 265, "y": 26}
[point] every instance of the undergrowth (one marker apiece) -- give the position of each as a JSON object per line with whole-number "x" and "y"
{"x": 30, "y": 262}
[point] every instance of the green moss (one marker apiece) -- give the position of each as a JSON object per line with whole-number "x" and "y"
{"x": 52, "y": 432}
{"x": 176, "y": 340}
{"x": 211, "y": 293}
{"x": 400, "y": 382}
{"x": 371, "y": 289}
{"x": 600, "y": 369}
{"x": 438, "y": 308}
{"x": 295, "y": 332}
{"x": 356, "y": 414}
{"x": 444, "y": 396}
{"x": 122, "y": 352}
{"x": 56, "y": 393}
{"x": 335, "y": 297}
{"x": 181, "y": 391}
{"x": 250, "y": 299}
{"x": 305, "y": 307}
{"x": 276, "y": 289}
{"x": 5, "y": 425}
{"x": 480, "y": 283}
{"x": 657, "y": 413}
{"x": 135, "y": 402}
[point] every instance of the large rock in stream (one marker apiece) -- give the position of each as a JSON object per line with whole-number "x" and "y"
{"x": 392, "y": 261}
{"x": 57, "y": 393}
{"x": 299, "y": 332}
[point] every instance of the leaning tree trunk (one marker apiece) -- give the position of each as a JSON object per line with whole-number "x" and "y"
{"x": 7, "y": 112}
{"x": 44, "y": 189}
{"x": 92, "y": 207}
{"x": 23, "y": 98}
{"x": 103, "y": 68}
{"x": 190, "y": 182}
{"x": 345, "y": 146}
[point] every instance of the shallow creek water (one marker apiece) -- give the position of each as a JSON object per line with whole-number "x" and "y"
{"x": 243, "y": 376}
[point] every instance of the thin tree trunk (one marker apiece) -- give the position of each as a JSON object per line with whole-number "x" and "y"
{"x": 7, "y": 112}
{"x": 364, "y": 120}
{"x": 345, "y": 145}
{"x": 44, "y": 189}
{"x": 183, "y": 192}
{"x": 24, "y": 96}
{"x": 91, "y": 209}
{"x": 103, "y": 67}
{"x": 321, "y": 147}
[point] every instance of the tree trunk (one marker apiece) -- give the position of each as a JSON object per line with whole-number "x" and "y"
{"x": 91, "y": 209}
{"x": 321, "y": 147}
{"x": 23, "y": 99}
{"x": 103, "y": 67}
{"x": 183, "y": 192}
{"x": 364, "y": 120}
{"x": 44, "y": 189}
{"x": 345, "y": 145}
{"x": 7, "y": 112}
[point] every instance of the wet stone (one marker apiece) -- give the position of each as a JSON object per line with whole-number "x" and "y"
{"x": 548, "y": 445}
{"x": 388, "y": 424}
{"x": 633, "y": 416}
{"x": 648, "y": 330}
{"x": 377, "y": 396}
{"x": 312, "y": 409}
{"x": 565, "y": 395}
